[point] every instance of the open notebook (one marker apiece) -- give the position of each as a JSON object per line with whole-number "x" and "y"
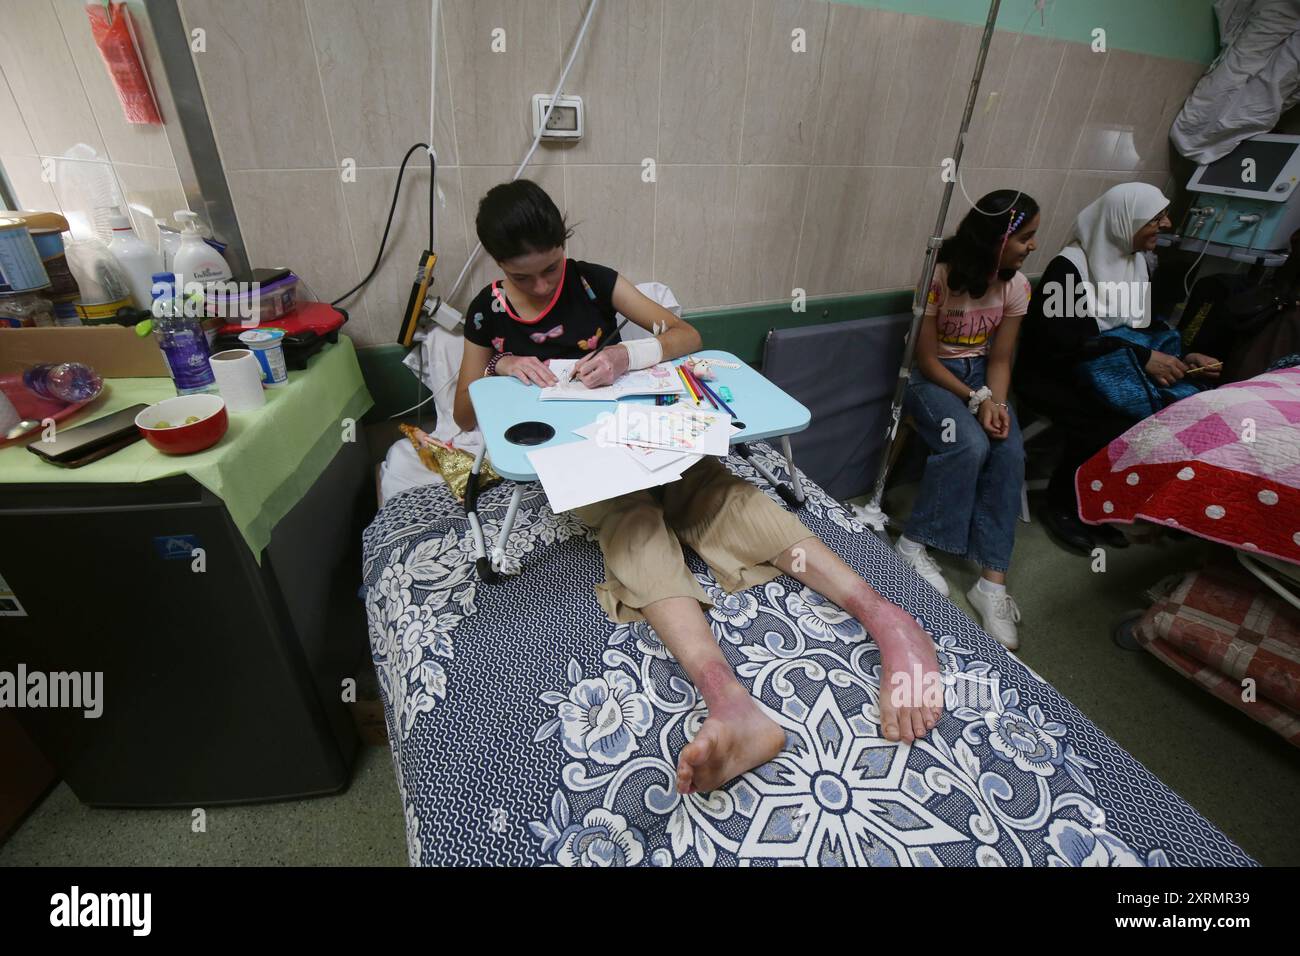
{"x": 661, "y": 379}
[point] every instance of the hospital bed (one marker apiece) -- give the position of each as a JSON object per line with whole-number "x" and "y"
{"x": 526, "y": 729}
{"x": 1223, "y": 465}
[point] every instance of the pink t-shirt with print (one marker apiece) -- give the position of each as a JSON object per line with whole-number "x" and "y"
{"x": 965, "y": 325}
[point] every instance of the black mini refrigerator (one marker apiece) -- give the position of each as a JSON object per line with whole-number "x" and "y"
{"x": 222, "y": 680}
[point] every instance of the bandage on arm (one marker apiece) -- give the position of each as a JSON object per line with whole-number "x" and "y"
{"x": 643, "y": 353}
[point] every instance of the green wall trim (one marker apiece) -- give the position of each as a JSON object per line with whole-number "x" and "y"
{"x": 1179, "y": 29}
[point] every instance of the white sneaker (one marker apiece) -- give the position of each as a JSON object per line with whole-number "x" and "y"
{"x": 925, "y": 566}
{"x": 1000, "y": 615}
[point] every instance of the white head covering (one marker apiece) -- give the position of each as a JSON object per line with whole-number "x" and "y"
{"x": 1102, "y": 251}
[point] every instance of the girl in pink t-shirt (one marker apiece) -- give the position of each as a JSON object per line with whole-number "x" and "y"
{"x": 957, "y": 396}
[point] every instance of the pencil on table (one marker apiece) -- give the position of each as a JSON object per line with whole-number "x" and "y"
{"x": 690, "y": 390}
{"x": 700, "y": 387}
{"x": 717, "y": 399}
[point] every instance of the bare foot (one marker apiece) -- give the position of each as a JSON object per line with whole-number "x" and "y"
{"x": 911, "y": 696}
{"x": 736, "y": 737}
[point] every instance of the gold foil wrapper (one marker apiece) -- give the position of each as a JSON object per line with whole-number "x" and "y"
{"x": 452, "y": 463}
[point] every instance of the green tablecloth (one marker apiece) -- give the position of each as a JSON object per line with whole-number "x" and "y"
{"x": 261, "y": 467}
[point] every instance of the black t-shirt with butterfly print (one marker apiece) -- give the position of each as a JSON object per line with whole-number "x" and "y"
{"x": 580, "y": 318}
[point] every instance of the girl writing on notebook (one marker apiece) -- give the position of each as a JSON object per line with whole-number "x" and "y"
{"x": 548, "y": 306}
{"x": 958, "y": 397}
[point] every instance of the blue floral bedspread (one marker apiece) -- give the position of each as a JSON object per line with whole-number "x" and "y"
{"x": 526, "y": 729}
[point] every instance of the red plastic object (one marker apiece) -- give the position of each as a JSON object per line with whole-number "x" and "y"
{"x": 111, "y": 28}
{"x": 31, "y": 406}
{"x": 181, "y": 439}
{"x": 318, "y": 317}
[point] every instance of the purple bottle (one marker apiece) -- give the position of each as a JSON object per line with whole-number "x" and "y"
{"x": 181, "y": 339}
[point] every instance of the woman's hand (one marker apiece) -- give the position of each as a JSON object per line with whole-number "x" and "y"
{"x": 1165, "y": 369}
{"x": 529, "y": 369}
{"x": 994, "y": 419}
{"x": 602, "y": 368}
{"x": 1213, "y": 367}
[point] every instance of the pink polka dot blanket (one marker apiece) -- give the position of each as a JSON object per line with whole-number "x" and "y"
{"x": 1223, "y": 465}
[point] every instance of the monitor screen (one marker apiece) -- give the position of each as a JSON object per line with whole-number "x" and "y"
{"x": 1269, "y": 159}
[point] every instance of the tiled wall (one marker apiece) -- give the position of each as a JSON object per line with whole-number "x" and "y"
{"x": 56, "y": 101}
{"x": 775, "y": 169}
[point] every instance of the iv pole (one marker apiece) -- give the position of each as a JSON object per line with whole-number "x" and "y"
{"x": 871, "y": 512}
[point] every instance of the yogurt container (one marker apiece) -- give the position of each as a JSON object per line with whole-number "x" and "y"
{"x": 266, "y": 346}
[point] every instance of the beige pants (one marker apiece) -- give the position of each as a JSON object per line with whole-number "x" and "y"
{"x": 727, "y": 521}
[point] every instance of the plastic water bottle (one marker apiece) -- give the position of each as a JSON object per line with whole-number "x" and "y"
{"x": 181, "y": 339}
{"x": 66, "y": 381}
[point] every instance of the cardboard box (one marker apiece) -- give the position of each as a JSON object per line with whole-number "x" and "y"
{"x": 113, "y": 351}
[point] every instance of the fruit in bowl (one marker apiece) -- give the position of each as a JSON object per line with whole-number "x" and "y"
{"x": 185, "y": 424}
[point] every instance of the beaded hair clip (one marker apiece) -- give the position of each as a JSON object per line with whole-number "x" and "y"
{"x": 1013, "y": 223}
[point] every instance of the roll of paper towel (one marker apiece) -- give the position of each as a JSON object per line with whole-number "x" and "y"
{"x": 239, "y": 379}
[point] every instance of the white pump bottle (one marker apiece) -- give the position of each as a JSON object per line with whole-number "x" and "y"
{"x": 195, "y": 260}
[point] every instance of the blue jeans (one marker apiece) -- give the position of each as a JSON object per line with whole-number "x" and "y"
{"x": 970, "y": 493}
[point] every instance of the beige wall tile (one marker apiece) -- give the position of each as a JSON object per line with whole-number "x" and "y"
{"x": 139, "y": 144}
{"x": 769, "y": 214}
{"x": 915, "y": 129}
{"x": 617, "y": 76}
{"x": 151, "y": 192}
{"x": 860, "y": 58}
{"x": 44, "y": 81}
{"x": 703, "y": 84}
{"x": 18, "y": 142}
{"x": 902, "y": 202}
{"x": 613, "y": 213}
{"x": 833, "y": 249}
{"x": 695, "y": 209}
{"x": 24, "y": 174}
{"x": 491, "y": 93}
{"x": 1015, "y": 120}
{"x": 374, "y": 65}
{"x": 1117, "y": 118}
{"x": 780, "y": 120}
{"x": 945, "y": 122}
{"x": 297, "y": 219}
{"x": 367, "y": 201}
{"x": 998, "y": 77}
{"x": 261, "y": 84}
{"x": 1067, "y": 106}
{"x": 475, "y": 182}
{"x": 1170, "y": 83}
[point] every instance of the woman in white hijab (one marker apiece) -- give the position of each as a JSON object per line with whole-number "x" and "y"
{"x": 1100, "y": 281}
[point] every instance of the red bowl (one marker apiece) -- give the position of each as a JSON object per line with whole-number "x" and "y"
{"x": 181, "y": 438}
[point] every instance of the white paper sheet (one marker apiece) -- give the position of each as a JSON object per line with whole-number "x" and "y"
{"x": 651, "y": 459}
{"x": 662, "y": 379}
{"x": 584, "y": 472}
{"x": 679, "y": 428}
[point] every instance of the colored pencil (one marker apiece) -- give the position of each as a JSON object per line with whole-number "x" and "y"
{"x": 690, "y": 390}
{"x": 699, "y": 386}
{"x": 715, "y": 395}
